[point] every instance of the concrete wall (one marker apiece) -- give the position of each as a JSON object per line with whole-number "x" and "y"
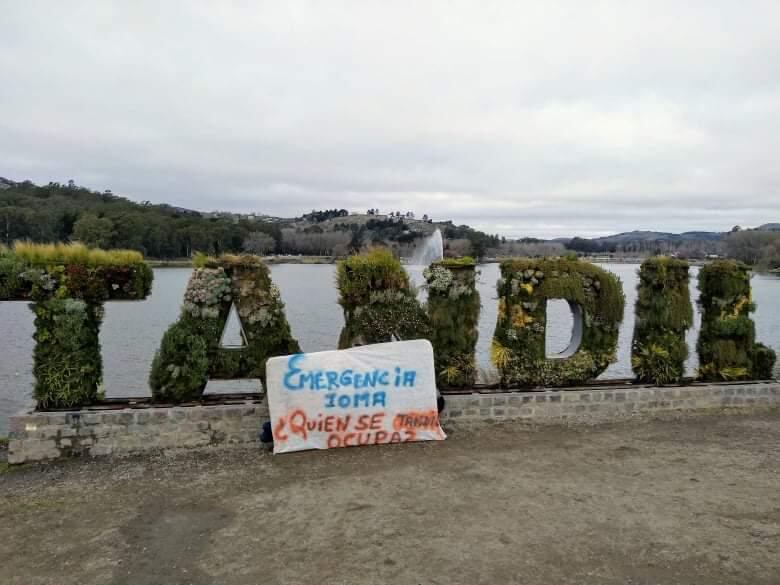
{"x": 40, "y": 436}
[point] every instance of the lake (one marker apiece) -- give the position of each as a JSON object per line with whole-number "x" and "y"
{"x": 132, "y": 331}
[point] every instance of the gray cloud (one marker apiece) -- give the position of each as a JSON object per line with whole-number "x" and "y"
{"x": 541, "y": 119}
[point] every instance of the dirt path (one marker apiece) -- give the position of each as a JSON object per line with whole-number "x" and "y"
{"x": 664, "y": 502}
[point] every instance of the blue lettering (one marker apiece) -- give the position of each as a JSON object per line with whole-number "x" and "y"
{"x": 330, "y": 400}
{"x": 344, "y": 401}
{"x": 409, "y": 377}
{"x": 295, "y": 378}
{"x": 292, "y": 370}
{"x": 378, "y": 399}
{"x": 365, "y": 398}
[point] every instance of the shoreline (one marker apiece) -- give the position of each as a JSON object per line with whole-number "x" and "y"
{"x": 187, "y": 263}
{"x": 270, "y": 260}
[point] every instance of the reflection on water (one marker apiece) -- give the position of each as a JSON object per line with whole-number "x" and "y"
{"x": 132, "y": 330}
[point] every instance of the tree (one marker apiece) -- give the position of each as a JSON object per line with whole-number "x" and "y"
{"x": 15, "y": 224}
{"x": 458, "y": 247}
{"x": 754, "y": 247}
{"x": 94, "y": 231}
{"x": 259, "y": 243}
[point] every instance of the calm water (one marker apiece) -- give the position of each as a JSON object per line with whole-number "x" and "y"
{"x": 132, "y": 330}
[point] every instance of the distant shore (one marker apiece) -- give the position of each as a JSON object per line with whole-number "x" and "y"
{"x": 187, "y": 263}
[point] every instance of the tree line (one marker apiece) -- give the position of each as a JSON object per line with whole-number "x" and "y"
{"x": 758, "y": 248}
{"x": 57, "y": 213}
{"x": 68, "y": 212}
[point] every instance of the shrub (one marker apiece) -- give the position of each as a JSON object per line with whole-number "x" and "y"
{"x": 727, "y": 341}
{"x": 763, "y": 362}
{"x": 453, "y": 309}
{"x": 518, "y": 348}
{"x": 180, "y": 370}
{"x": 190, "y": 351}
{"x": 663, "y": 314}
{"x": 42, "y": 271}
{"x": 378, "y": 301}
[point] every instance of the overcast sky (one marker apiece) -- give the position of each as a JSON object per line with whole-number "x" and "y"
{"x": 522, "y": 118}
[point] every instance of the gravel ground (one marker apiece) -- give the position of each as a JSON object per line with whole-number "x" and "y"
{"x": 694, "y": 500}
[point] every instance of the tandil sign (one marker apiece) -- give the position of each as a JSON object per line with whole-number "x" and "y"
{"x": 369, "y": 395}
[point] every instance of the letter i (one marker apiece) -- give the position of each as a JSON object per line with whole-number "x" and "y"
{"x": 397, "y": 376}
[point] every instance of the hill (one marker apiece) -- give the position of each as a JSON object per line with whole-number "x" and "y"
{"x": 695, "y": 244}
{"x": 769, "y": 227}
{"x": 758, "y": 246}
{"x": 57, "y": 212}
{"x": 650, "y": 236}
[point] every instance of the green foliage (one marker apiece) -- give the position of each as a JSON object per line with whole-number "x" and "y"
{"x": 391, "y": 230}
{"x": 378, "y": 302}
{"x": 518, "y": 348}
{"x": 462, "y": 262}
{"x": 727, "y": 341}
{"x": 480, "y": 241}
{"x": 453, "y": 309}
{"x": 663, "y": 315}
{"x": 373, "y": 271}
{"x": 11, "y": 269}
{"x": 93, "y": 230}
{"x": 43, "y": 271}
{"x": 68, "y": 284}
{"x": 759, "y": 248}
{"x": 40, "y": 255}
{"x": 190, "y": 352}
{"x": 180, "y": 368}
{"x": 59, "y": 213}
{"x": 67, "y": 362}
{"x": 763, "y": 362}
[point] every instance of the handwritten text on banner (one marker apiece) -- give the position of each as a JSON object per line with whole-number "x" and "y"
{"x": 369, "y": 395}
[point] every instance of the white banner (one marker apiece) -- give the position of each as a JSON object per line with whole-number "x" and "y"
{"x": 369, "y": 395}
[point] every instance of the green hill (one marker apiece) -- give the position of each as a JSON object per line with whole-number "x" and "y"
{"x": 58, "y": 213}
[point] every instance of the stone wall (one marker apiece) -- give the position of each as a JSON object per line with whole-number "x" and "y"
{"x": 40, "y": 436}
{"x": 607, "y": 403}
{"x": 50, "y": 435}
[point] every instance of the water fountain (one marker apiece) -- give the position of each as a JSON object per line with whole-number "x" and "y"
{"x": 428, "y": 251}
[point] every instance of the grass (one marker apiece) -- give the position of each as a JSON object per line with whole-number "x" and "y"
{"x": 47, "y": 254}
{"x": 201, "y": 260}
{"x": 462, "y": 262}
